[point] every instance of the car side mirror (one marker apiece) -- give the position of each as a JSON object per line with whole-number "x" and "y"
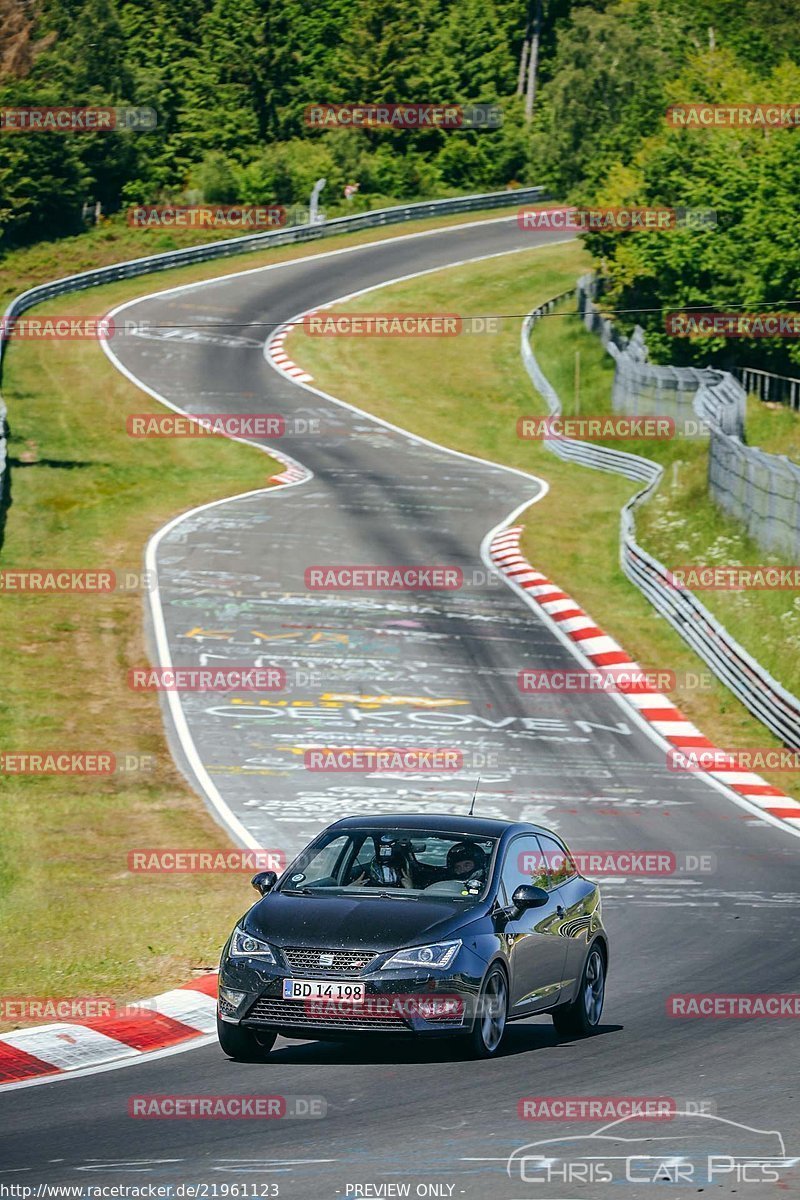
{"x": 527, "y": 895}
{"x": 264, "y": 881}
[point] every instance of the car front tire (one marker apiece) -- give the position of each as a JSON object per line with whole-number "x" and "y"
{"x": 243, "y": 1045}
{"x": 490, "y": 1020}
{"x": 581, "y": 1016}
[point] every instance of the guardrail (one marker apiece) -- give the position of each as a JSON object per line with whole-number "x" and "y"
{"x": 598, "y": 457}
{"x": 643, "y": 389}
{"x": 243, "y": 245}
{"x": 254, "y": 241}
{"x": 720, "y": 403}
{"x": 760, "y": 490}
{"x": 762, "y": 695}
{"x": 776, "y": 389}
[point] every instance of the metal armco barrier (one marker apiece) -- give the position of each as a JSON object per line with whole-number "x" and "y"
{"x": 243, "y": 245}
{"x": 641, "y": 388}
{"x": 765, "y": 698}
{"x": 772, "y": 389}
{"x": 760, "y": 490}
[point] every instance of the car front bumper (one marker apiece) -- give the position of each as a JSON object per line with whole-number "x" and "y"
{"x": 407, "y": 1001}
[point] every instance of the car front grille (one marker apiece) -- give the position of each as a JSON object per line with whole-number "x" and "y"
{"x": 336, "y": 962}
{"x": 296, "y": 1012}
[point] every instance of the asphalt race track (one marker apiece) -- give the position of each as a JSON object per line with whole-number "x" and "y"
{"x": 433, "y": 669}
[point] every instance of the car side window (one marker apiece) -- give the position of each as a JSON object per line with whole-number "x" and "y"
{"x": 557, "y": 859}
{"x": 524, "y": 863}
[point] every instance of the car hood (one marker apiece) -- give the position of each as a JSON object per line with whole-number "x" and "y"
{"x": 356, "y": 922}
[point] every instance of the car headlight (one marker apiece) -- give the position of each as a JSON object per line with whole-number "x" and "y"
{"x": 244, "y": 945}
{"x": 440, "y": 954}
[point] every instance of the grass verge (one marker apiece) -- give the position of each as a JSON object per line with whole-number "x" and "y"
{"x": 476, "y": 389}
{"x": 84, "y": 495}
{"x": 773, "y": 428}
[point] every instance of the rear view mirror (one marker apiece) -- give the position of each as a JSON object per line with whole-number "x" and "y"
{"x": 264, "y": 881}
{"x": 527, "y": 895}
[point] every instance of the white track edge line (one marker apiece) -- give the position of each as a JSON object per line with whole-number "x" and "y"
{"x": 619, "y": 698}
{"x": 231, "y": 822}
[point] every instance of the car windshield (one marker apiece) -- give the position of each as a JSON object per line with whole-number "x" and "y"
{"x": 394, "y": 862}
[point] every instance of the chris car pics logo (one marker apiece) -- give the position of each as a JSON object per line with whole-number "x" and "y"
{"x": 693, "y": 1149}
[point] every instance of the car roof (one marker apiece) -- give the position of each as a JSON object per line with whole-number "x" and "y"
{"x": 441, "y": 822}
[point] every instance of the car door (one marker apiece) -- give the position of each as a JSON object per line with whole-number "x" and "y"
{"x": 537, "y": 952}
{"x": 578, "y": 904}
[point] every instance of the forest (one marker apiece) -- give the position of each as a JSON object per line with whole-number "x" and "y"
{"x": 583, "y": 112}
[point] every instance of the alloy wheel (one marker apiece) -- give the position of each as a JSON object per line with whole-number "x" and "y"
{"x": 493, "y": 1016}
{"x": 594, "y": 987}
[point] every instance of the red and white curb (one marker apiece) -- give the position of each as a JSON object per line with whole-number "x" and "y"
{"x": 165, "y": 1020}
{"x": 276, "y": 352}
{"x": 294, "y": 471}
{"x": 602, "y": 651}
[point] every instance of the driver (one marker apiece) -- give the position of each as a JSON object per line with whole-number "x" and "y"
{"x": 391, "y": 866}
{"x": 466, "y": 862}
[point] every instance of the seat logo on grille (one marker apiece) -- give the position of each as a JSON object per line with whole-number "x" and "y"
{"x": 326, "y": 960}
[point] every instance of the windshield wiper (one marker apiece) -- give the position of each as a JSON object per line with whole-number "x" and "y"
{"x": 400, "y": 894}
{"x": 386, "y": 895}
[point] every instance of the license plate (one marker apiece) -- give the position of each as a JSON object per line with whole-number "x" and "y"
{"x": 322, "y": 989}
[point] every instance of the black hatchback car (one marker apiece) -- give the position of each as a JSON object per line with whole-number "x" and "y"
{"x": 429, "y": 925}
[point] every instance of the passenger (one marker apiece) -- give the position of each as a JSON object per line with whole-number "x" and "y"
{"x": 466, "y": 862}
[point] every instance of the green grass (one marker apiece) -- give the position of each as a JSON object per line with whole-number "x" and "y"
{"x": 73, "y": 921}
{"x": 473, "y": 384}
{"x": 475, "y": 390}
{"x": 773, "y": 428}
{"x": 682, "y": 526}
